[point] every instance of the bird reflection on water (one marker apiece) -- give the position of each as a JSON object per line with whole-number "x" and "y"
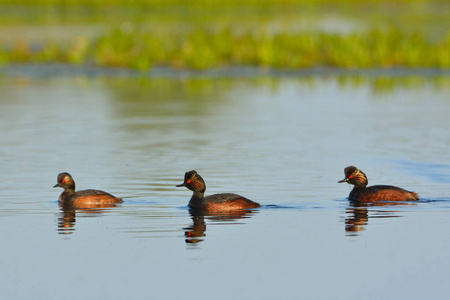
{"x": 67, "y": 215}
{"x": 357, "y": 215}
{"x": 195, "y": 233}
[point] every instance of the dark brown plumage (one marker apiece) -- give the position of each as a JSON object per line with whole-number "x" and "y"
{"x": 85, "y": 198}
{"x": 362, "y": 193}
{"x": 216, "y": 202}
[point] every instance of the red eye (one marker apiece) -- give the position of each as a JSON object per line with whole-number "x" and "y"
{"x": 188, "y": 181}
{"x": 64, "y": 181}
{"x": 351, "y": 176}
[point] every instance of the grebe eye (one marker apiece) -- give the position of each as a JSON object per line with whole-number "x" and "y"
{"x": 64, "y": 181}
{"x": 351, "y": 176}
{"x": 188, "y": 181}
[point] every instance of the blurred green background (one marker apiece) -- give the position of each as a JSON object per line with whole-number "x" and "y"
{"x": 201, "y": 34}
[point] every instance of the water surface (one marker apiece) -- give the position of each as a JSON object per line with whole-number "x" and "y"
{"x": 280, "y": 141}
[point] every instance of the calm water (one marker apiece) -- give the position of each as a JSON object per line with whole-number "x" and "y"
{"x": 283, "y": 142}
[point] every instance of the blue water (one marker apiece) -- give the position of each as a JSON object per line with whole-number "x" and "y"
{"x": 281, "y": 141}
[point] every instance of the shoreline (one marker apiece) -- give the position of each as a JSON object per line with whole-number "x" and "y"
{"x": 68, "y": 70}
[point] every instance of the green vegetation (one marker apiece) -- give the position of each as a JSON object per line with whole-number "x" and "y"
{"x": 207, "y": 49}
{"x": 219, "y": 34}
{"x": 191, "y": 3}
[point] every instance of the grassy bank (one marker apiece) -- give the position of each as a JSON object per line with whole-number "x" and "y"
{"x": 200, "y": 34}
{"x": 202, "y": 49}
{"x": 192, "y": 3}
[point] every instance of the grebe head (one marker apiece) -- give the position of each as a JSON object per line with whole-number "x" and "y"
{"x": 354, "y": 176}
{"x": 194, "y": 182}
{"x": 65, "y": 181}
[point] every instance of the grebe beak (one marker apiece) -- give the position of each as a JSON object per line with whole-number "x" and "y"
{"x": 56, "y": 185}
{"x": 343, "y": 180}
{"x": 183, "y": 184}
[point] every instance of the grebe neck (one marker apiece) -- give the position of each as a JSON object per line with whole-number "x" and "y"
{"x": 197, "y": 199}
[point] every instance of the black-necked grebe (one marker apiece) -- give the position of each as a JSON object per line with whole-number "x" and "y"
{"x": 362, "y": 193}
{"x": 82, "y": 198}
{"x": 216, "y": 202}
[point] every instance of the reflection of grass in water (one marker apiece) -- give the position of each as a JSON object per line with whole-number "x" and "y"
{"x": 199, "y": 90}
{"x": 387, "y": 84}
{"x": 203, "y": 49}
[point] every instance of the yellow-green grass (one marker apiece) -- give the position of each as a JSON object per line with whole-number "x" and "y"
{"x": 202, "y": 34}
{"x": 201, "y": 49}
